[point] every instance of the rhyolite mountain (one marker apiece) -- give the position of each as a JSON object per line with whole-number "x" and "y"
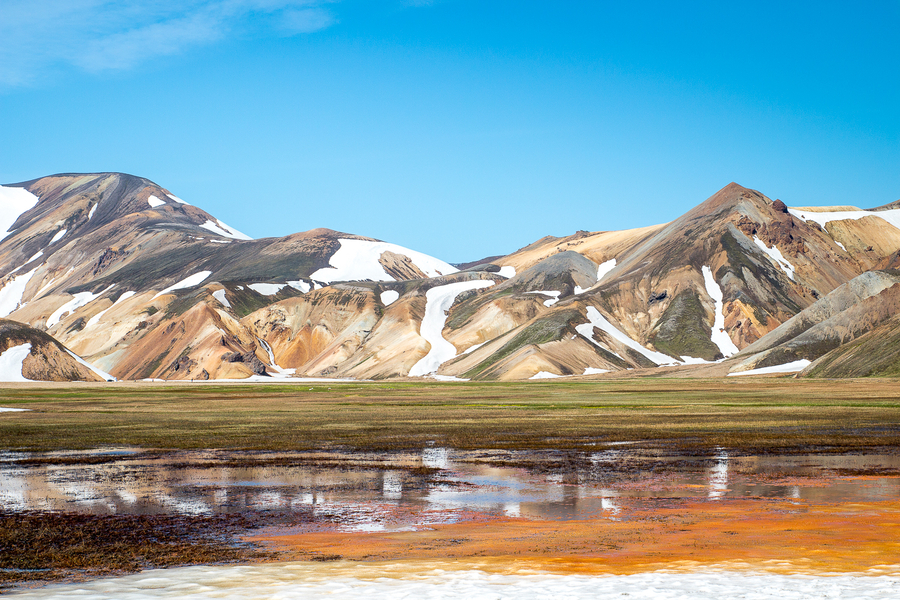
{"x": 143, "y": 285}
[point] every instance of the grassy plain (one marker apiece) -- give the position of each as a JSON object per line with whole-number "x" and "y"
{"x": 753, "y": 415}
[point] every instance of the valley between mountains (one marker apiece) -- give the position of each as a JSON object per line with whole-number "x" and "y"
{"x": 110, "y": 276}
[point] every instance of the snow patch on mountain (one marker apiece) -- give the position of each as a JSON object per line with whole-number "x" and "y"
{"x": 791, "y": 367}
{"x": 388, "y": 297}
{"x": 719, "y": 336}
{"x": 595, "y": 371}
{"x": 841, "y": 245}
{"x": 507, "y": 271}
{"x": 80, "y": 299}
{"x": 599, "y": 321}
{"x": 102, "y": 374}
{"x": 92, "y": 211}
{"x": 775, "y": 254}
{"x": 11, "y": 363}
{"x": 554, "y": 297}
{"x": 545, "y": 375}
{"x": 193, "y": 280}
{"x": 892, "y": 216}
{"x": 155, "y": 202}
{"x": 11, "y": 293}
{"x": 473, "y": 348}
{"x": 96, "y": 318}
{"x": 224, "y": 230}
{"x": 14, "y": 201}
{"x": 438, "y": 301}
{"x": 220, "y": 296}
{"x": 177, "y": 199}
{"x": 605, "y": 268}
{"x": 357, "y": 260}
{"x": 279, "y": 372}
{"x": 300, "y": 286}
{"x": 58, "y": 236}
{"x": 267, "y": 289}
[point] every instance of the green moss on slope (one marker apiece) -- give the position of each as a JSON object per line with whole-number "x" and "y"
{"x": 682, "y": 329}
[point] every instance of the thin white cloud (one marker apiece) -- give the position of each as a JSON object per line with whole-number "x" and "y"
{"x": 38, "y": 36}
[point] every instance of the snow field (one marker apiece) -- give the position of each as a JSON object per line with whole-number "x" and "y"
{"x": 11, "y": 363}
{"x": 177, "y": 199}
{"x": 93, "y": 209}
{"x": 220, "y": 296}
{"x": 545, "y": 375}
{"x": 11, "y": 293}
{"x": 605, "y": 268}
{"x": 388, "y": 297}
{"x": 507, "y": 271}
{"x": 438, "y": 301}
{"x": 791, "y": 367}
{"x": 823, "y": 218}
{"x": 96, "y": 318}
{"x": 295, "y": 581}
{"x": 80, "y": 299}
{"x": 155, "y": 202}
{"x": 58, "y": 236}
{"x": 718, "y": 336}
{"x": 224, "y": 230}
{"x": 14, "y": 202}
{"x": 599, "y": 321}
{"x": 195, "y": 279}
{"x": 103, "y": 374}
{"x": 267, "y": 289}
{"x": 357, "y": 260}
{"x": 554, "y": 297}
{"x": 300, "y": 286}
{"x": 775, "y": 254}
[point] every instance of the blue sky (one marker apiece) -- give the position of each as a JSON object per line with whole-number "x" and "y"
{"x": 457, "y": 128}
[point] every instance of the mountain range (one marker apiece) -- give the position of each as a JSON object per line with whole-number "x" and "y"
{"x": 109, "y": 275}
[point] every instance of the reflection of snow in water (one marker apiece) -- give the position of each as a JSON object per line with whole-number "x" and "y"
{"x": 718, "y": 476}
{"x": 608, "y": 502}
{"x": 392, "y": 485}
{"x": 512, "y": 509}
{"x": 405, "y": 580}
{"x": 436, "y": 458}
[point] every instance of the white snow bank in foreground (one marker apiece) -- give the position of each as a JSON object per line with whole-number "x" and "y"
{"x": 357, "y": 260}
{"x": 195, "y": 279}
{"x": 438, "y": 301}
{"x": 102, "y": 374}
{"x": 14, "y": 201}
{"x": 11, "y": 363}
{"x": 224, "y": 230}
{"x": 791, "y": 367}
{"x": 507, "y": 271}
{"x": 267, "y": 289}
{"x": 718, "y": 336}
{"x": 80, "y": 299}
{"x": 545, "y": 375}
{"x": 823, "y": 218}
{"x": 338, "y": 581}
{"x": 155, "y": 202}
{"x": 96, "y": 318}
{"x": 220, "y": 296}
{"x": 388, "y": 297}
{"x": 58, "y": 236}
{"x": 599, "y": 321}
{"x": 11, "y": 293}
{"x": 775, "y": 254}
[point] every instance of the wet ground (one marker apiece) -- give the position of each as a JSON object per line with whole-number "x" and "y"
{"x": 625, "y": 508}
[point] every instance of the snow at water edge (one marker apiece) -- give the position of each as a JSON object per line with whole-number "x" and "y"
{"x": 791, "y": 367}
{"x": 718, "y": 336}
{"x": 357, "y": 260}
{"x": 11, "y": 363}
{"x": 14, "y": 201}
{"x": 195, "y": 279}
{"x": 438, "y": 301}
{"x": 313, "y": 581}
{"x": 599, "y": 321}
